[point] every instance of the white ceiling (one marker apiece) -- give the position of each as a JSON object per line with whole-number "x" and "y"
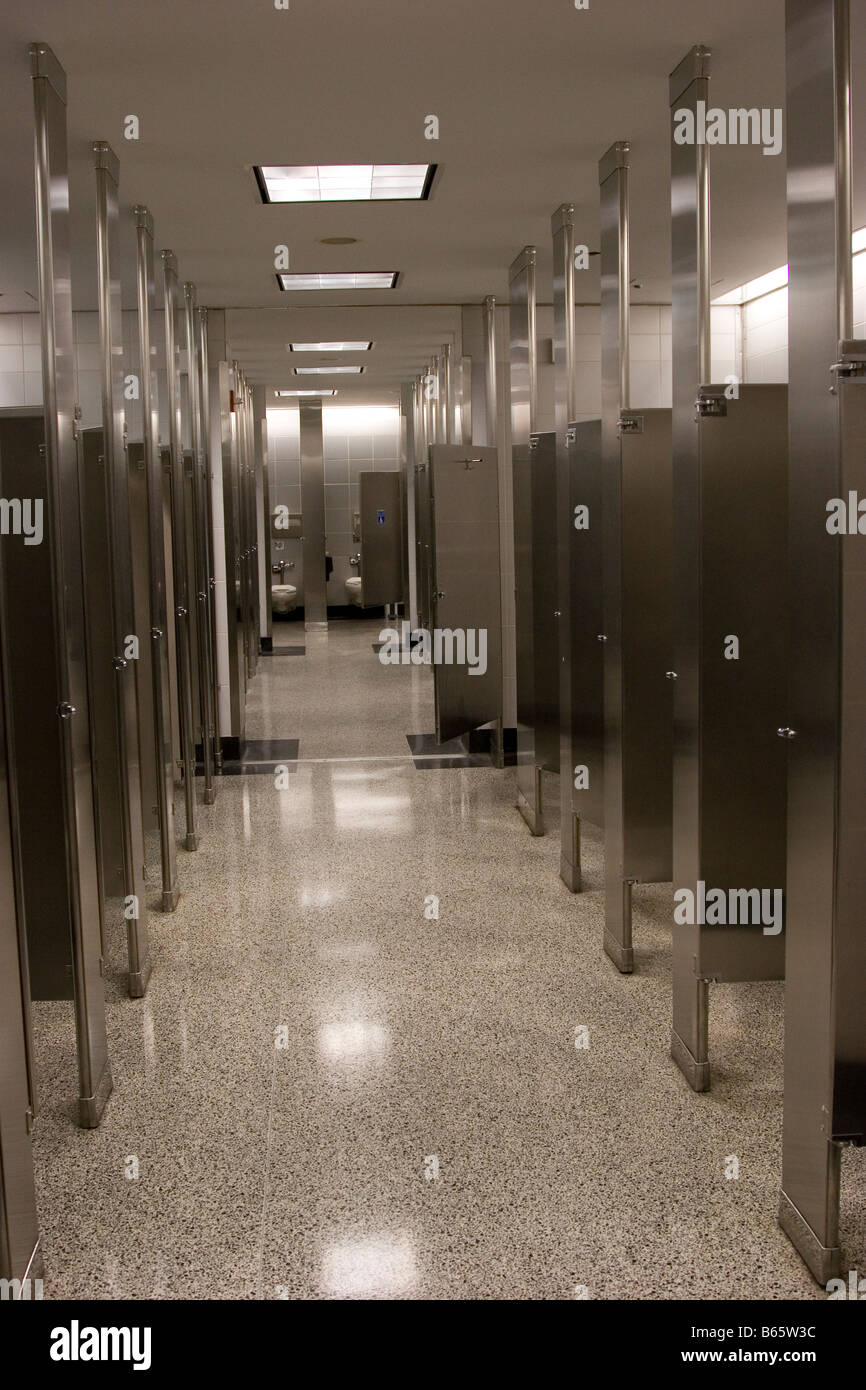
{"x": 528, "y": 97}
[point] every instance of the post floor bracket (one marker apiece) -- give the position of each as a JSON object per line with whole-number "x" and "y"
{"x": 531, "y": 811}
{"x": 823, "y": 1262}
{"x": 696, "y": 1073}
{"x": 90, "y": 1108}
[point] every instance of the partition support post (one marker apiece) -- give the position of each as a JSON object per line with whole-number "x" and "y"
{"x": 491, "y": 438}
{"x": 156, "y": 546}
{"x": 613, "y": 181}
{"x": 562, "y": 228}
{"x": 63, "y": 507}
{"x": 690, "y": 219}
{"x": 120, "y": 575}
{"x": 183, "y": 636}
{"x": 825, "y": 1037}
{"x": 200, "y": 547}
{"x": 523, "y": 343}
{"x": 204, "y": 401}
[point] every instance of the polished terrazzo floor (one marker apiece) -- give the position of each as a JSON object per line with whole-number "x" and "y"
{"x": 329, "y": 1094}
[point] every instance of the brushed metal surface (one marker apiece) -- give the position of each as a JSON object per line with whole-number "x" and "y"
{"x": 102, "y": 678}
{"x": 583, "y": 708}
{"x": 197, "y": 472}
{"x": 465, "y": 541}
{"x": 545, "y": 601}
{"x": 128, "y": 716}
{"x": 637, "y": 505}
{"x": 381, "y": 506}
{"x": 180, "y": 543}
{"x": 313, "y": 510}
{"x": 236, "y": 658}
{"x": 19, "y": 1227}
{"x": 77, "y": 852}
{"x": 158, "y": 631}
{"x": 203, "y": 372}
{"x": 523, "y": 368}
{"x": 826, "y": 670}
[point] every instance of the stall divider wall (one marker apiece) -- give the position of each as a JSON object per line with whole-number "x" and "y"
{"x": 82, "y": 917}
{"x": 313, "y": 512}
{"x": 730, "y": 555}
{"x": 116, "y": 468}
{"x": 199, "y": 486}
{"x": 209, "y": 484}
{"x": 637, "y": 587}
{"x": 825, "y": 728}
{"x": 179, "y": 541}
{"x": 523, "y": 357}
{"x": 158, "y": 606}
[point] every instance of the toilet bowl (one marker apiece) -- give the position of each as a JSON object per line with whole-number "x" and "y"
{"x": 353, "y": 590}
{"x": 283, "y": 598}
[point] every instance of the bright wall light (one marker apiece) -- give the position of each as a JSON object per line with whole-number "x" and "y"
{"x": 339, "y": 280}
{"x": 777, "y": 279}
{"x": 343, "y": 183}
{"x": 360, "y": 346}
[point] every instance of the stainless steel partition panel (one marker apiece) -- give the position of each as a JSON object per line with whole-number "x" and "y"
{"x": 381, "y": 497}
{"x": 179, "y": 543}
{"x": 409, "y": 411}
{"x": 424, "y": 552}
{"x": 260, "y": 415}
{"x": 102, "y": 677}
{"x": 730, "y": 533}
{"x": 522, "y": 330}
{"x": 139, "y": 555}
{"x": 128, "y": 716}
{"x": 545, "y": 600}
{"x": 236, "y": 657}
{"x": 313, "y": 512}
{"x": 20, "y": 1256}
{"x": 464, "y": 487}
{"x": 581, "y": 647}
{"x": 198, "y": 488}
{"x": 637, "y": 586}
{"x": 158, "y": 624}
{"x": 73, "y": 774}
{"x": 562, "y": 229}
{"x": 825, "y": 1023}
{"x": 208, "y": 482}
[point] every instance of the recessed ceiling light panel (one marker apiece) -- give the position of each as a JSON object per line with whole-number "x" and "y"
{"x": 340, "y": 280}
{"x": 332, "y": 392}
{"x": 360, "y": 346}
{"x": 343, "y": 183}
{"x": 328, "y": 371}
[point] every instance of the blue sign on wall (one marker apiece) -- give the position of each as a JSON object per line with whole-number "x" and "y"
{"x": 381, "y": 517}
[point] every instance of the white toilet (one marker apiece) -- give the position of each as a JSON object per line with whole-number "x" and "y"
{"x": 283, "y": 598}
{"x": 353, "y": 591}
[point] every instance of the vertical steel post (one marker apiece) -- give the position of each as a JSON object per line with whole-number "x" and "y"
{"x": 156, "y": 539}
{"x": 183, "y": 635}
{"x": 524, "y": 358}
{"x": 65, "y": 557}
{"x": 825, "y": 1035}
{"x": 200, "y": 546}
{"x": 613, "y": 181}
{"x": 203, "y": 374}
{"x": 119, "y": 549}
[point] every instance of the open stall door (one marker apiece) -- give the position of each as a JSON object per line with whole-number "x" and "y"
{"x": 466, "y": 640}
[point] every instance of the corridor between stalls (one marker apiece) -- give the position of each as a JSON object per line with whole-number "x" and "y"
{"x": 431, "y": 697}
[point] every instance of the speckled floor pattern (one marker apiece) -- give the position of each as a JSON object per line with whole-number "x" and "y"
{"x": 329, "y": 1092}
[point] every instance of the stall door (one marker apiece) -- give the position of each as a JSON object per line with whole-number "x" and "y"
{"x": 381, "y": 538}
{"x": 466, "y": 640}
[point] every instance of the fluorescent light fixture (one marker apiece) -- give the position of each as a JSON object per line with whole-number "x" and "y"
{"x": 328, "y": 371}
{"x": 343, "y": 183}
{"x": 778, "y": 278}
{"x": 340, "y": 280}
{"x": 360, "y": 346}
{"x": 332, "y": 392}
